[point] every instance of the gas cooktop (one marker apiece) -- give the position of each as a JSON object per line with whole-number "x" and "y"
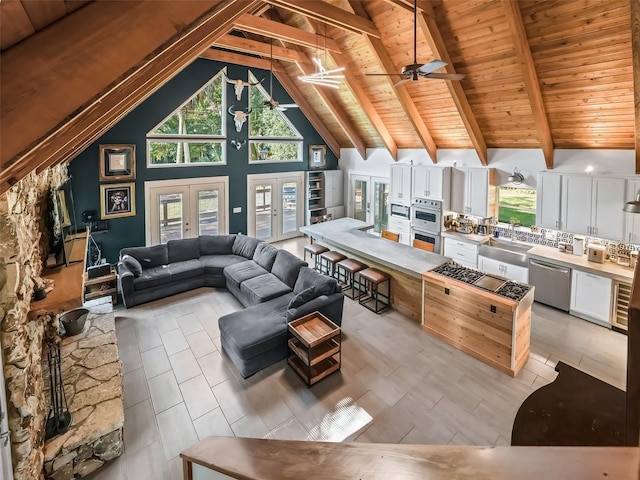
{"x": 498, "y": 285}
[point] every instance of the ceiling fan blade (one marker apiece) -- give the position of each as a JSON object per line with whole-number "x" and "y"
{"x": 432, "y": 66}
{"x": 401, "y": 82}
{"x": 445, "y": 76}
{"x": 288, "y": 105}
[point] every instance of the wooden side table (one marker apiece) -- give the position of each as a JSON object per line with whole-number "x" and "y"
{"x": 106, "y": 285}
{"x": 315, "y": 346}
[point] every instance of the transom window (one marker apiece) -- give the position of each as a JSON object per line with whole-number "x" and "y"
{"x": 517, "y": 205}
{"x": 194, "y": 133}
{"x": 272, "y": 136}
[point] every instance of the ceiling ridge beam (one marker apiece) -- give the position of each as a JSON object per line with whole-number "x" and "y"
{"x": 430, "y": 30}
{"x": 401, "y": 92}
{"x": 531, "y": 81}
{"x": 635, "y": 49}
{"x": 327, "y": 13}
{"x": 285, "y": 33}
{"x": 247, "y": 45}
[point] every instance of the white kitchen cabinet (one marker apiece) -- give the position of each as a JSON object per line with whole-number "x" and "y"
{"x": 593, "y": 205}
{"x": 333, "y": 188}
{"x": 591, "y": 297}
{"x": 632, "y": 220}
{"x": 506, "y": 270}
{"x": 400, "y": 176}
{"x": 548, "y": 200}
{"x": 465, "y": 253}
{"x": 433, "y": 183}
{"x": 401, "y": 227}
{"x": 473, "y": 191}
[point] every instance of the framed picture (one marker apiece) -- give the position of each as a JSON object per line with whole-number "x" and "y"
{"x": 117, "y": 200}
{"x": 317, "y": 156}
{"x": 117, "y": 162}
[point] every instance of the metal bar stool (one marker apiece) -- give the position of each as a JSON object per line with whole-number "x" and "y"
{"x": 313, "y": 249}
{"x": 328, "y": 262}
{"x": 346, "y": 273}
{"x": 372, "y": 279}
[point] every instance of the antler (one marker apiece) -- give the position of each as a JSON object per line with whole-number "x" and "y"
{"x": 228, "y": 79}
{"x": 230, "y": 110}
{"x": 247, "y": 110}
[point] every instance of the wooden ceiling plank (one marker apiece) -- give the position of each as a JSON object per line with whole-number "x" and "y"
{"x": 532, "y": 84}
{"x": 331, "y": 15}
{"x": 67, "y": 138}
{"x": 73, "y": 5}
{"x": 430, "y": 30}
{"x": 635, "y": 48}
{"x": 307, "y": 109}
{"x": 237, "y": 58}
{"x": 246, "y": 45}
{"x": 286, "y": 33}
{"x": 401, "y": 92}
{"x": 408, "y": 5}
{"x": 15, "y": 22}
{"x": 42, "y": 14}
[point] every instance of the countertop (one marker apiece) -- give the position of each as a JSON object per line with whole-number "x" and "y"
{"x": 348, "y": 234}
{"x": 467, "y": 237}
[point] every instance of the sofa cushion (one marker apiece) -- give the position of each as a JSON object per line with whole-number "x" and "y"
{"x": 265, "y": 255}
{"x": 215, "y": 264}
{"x": 262, "y": 288}
{"x": 148, "y": 257}
{"x": 132, "y": 265}
{"x": 310, "y": 278}
{"x": 216, "y": 244}
{"x": 302, "y": 297}
{"x": 238, "y": 273}
{"x": 245, "y": 246}
{"x": 184, "y": 270}
{"x": 152, "y": 277}
{"x": 287, "y": 266}
{"x": 183, "y": 249}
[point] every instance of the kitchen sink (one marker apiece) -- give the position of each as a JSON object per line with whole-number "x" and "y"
{"x": 506, "y": 251}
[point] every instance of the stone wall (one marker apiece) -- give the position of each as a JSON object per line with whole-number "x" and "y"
{"x": 23, "y": 246}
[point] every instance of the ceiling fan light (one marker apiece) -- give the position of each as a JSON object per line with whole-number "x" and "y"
{"x": 633, "y": 206}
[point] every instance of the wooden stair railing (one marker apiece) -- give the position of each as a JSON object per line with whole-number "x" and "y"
{"x": 253, "y": 458}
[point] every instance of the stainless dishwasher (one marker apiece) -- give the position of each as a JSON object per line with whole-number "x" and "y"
{"x": 552, "y": 282}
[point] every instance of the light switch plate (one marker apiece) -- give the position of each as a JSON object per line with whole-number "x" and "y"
{"x": 237, "y": 209}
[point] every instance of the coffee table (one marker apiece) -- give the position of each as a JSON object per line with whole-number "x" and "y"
{"x": 315, "y": 346}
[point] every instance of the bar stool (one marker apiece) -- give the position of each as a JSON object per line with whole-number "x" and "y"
{"x": 313, "y": 249}
{"x": 348, "y": 269}
{"x": 372, "y": 279}
{"x": 328, "y": 262}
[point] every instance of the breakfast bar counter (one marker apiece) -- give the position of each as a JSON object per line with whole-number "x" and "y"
{"x": 404, "y": 264}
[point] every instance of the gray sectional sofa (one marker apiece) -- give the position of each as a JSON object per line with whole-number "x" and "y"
{"x": 274, "y": 285}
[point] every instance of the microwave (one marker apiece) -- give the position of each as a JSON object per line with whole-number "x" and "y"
{"x": 400, "y": 211}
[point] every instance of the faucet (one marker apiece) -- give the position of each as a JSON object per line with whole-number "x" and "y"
{"x": 512, "y": 230}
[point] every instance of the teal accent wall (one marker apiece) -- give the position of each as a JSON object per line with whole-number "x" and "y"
{"x": 132, "y": 129}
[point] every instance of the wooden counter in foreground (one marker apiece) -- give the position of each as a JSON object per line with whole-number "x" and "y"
{"x": 492, "y": 328}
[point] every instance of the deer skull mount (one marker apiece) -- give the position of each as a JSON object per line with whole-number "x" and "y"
{"x": 239, "y": 116}
{"x": 238, "y": 86}
{"x": 238, "y": 144}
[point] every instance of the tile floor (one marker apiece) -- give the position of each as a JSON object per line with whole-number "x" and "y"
{"x": 397, "y": 383}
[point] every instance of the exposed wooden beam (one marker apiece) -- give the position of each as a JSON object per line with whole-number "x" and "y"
{"x": 284, "y": 32}
{"x": 408, "y": 5}
{"x": 237, "y": 58}
{"x": 401, "y": 92}
{"x": 92, "y": 86}
{"x": 246, "y": 45}
{"x": 635, "y": 53}
{"x": 331, "y": 15}
{"x": 307, "y": 109}
{"x": 430, "y": 30}
{"x": 531, "y": 82}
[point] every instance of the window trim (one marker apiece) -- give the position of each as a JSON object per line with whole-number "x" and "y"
{"x": 300, "y": 144}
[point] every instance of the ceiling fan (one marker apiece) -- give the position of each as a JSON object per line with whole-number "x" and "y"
{"x": 412, "y": 72}
{"x": 272, "y": 103}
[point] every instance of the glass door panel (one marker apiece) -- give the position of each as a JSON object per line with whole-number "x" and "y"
{"x": 171, "y": 211}
{"x": 208, "y": 212}
{"x": 360, "y": 200}
{"x": 289, "y": 208}
{"x": 263, "y": 206}
{"x": 380, "y": 206}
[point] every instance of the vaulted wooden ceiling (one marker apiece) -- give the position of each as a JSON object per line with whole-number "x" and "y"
{"x": 538, "y": 73}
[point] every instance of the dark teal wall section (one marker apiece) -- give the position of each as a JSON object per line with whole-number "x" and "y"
{"x": 132, "y": 129}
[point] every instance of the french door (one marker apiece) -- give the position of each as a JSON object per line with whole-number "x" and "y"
{"x": 369, "y": 200}
{"x": 185, "y": 208}
{"x": 276, "y": 206}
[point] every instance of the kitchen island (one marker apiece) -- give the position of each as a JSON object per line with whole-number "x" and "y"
{"x": 486, "y": 316}
{"x": 404, "y": 264}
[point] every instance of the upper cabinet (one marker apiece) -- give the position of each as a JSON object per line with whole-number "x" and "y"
{"x": 593, "y": 205}
{"x": 548, "y": 203}
{"x": 333, "y": 188}
{"x": 433, "y": 183}
{"x": 632, "y": 220}
{"x": 473, "y": 191}
{"x": 400, "y": 176}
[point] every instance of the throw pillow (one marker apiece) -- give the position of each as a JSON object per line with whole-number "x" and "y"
{"x": 303, "y": 297}
{"x": 132, "y": 264}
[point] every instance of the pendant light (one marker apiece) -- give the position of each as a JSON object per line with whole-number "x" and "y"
{"x": 634, "y": 205}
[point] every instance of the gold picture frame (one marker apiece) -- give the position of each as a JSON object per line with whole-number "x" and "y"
{"x": 117, "y": 200}
{"x": 117, "y": 162}
{"x": 317, "y": 157}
